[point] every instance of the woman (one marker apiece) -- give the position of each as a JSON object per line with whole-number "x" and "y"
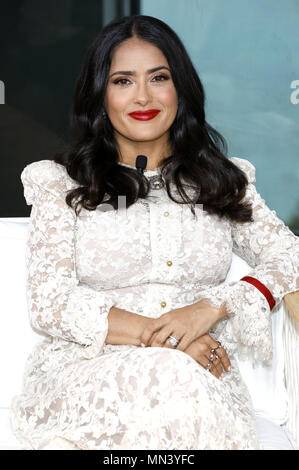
{"x": 119, "y": 257}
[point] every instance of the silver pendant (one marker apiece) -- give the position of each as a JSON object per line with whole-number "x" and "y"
{"x": 156, "y": 182}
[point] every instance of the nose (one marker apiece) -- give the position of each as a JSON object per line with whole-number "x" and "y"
{"x": 142, "y": 93}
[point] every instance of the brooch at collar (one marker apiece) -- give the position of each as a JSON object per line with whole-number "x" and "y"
{"x": 156, "y": 182}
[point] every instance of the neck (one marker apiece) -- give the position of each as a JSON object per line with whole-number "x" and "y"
{"x": 155, "y": 151}
{"x": 150, "y": 164}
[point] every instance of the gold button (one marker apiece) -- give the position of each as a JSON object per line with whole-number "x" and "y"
{"x": 166, "y": 214}
{"x": 169, "y": 263}
{"x": 163, "y": 304}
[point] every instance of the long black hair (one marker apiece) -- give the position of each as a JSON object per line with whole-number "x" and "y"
{"x": 198, "y": 151}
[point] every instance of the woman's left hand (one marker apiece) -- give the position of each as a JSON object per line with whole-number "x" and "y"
{"x": 186, "y": 324}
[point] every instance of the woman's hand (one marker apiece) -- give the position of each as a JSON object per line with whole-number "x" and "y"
{"x": 186, "y": 324}
{"x": 200, "y": 351}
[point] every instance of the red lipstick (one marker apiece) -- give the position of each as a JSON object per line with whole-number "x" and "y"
{"x": 144, "y": 115}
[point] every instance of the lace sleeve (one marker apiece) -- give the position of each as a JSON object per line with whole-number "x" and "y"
{"x": 272, "y": 250}
{"x": 57, "y": 304}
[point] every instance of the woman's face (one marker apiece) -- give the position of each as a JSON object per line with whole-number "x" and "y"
{"x": 140, "y": 91}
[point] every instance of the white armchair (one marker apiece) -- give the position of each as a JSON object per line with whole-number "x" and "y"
{"x": 274, "y": 390}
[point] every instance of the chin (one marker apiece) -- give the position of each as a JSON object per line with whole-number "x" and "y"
{"x": 146, "y": 133}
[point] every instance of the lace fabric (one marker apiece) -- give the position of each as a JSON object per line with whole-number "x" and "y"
{"x": 81, "y": 393}
{"x": 272, "y": 250}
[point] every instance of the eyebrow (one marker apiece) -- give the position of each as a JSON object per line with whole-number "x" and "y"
{"x": 132, "y": 72}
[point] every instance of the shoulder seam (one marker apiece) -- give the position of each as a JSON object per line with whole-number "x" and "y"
{"x": 246, "y": 166}
{"x": 45, "y": 174}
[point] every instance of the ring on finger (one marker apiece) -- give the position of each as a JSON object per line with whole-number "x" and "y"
{"x": 209, "y": 365}
{"x": 213, "y": 351}
{"x": 213, "y": 357}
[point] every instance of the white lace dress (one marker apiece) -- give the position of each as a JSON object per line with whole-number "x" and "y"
{"x": 80, "y": 393}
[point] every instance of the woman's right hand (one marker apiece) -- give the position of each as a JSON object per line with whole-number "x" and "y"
{"x": 200, "y": 350}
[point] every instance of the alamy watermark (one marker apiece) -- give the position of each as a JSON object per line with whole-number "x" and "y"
{"x": 121, "y": 205}
{"x": 294, "y": 97}
{"x": 1, "y": 92}
{"x": 121, "y": 212}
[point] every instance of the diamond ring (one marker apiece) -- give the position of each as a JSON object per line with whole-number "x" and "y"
{"x": 173, "y": 341}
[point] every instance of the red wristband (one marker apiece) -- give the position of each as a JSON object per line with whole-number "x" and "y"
{"x": 261, "y": 287}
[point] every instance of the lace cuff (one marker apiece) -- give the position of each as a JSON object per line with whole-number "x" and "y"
{"x": 90, "y": 325}
{"x": 248, "y": 328}
{"x": 83, "y": 319}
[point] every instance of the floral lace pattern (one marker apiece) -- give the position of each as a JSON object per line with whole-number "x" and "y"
{"x": 80, "y": 393}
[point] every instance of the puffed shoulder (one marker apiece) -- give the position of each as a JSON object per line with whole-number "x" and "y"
{"x": 246, "y": 166}
{"x": 46, "y": 175}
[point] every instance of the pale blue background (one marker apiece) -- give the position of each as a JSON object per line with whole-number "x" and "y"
{"x": 247, "y": 54}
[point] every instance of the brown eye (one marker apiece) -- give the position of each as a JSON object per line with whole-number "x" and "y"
{"x": 121, "y": 80}
{"x": 162, "y": 76}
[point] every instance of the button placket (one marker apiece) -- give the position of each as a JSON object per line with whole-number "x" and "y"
{"x": 166, "y": 240}
{"x": 168, "y": 249}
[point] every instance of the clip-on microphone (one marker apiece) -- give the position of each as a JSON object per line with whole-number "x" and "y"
{"x": 141, "y": 162}
{"x": 155, "y": 181}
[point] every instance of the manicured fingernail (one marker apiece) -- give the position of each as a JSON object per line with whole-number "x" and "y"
{"x": 228, "y": 368}
{"x": 143, "y": 345}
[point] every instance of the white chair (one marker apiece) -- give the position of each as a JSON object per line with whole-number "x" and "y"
{"x": 274, "y": 390}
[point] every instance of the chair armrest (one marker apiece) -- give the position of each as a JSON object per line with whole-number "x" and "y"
{"x": 291, "y": 347}
{"x": 292, "y": 304}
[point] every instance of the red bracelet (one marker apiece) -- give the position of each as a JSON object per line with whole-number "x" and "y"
{"x": 261, "y": 287}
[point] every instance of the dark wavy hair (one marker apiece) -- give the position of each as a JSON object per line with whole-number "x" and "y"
{"x": 198, "y": 150}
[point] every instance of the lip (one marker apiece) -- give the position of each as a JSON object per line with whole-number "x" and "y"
{"x": 144, "y": 115}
